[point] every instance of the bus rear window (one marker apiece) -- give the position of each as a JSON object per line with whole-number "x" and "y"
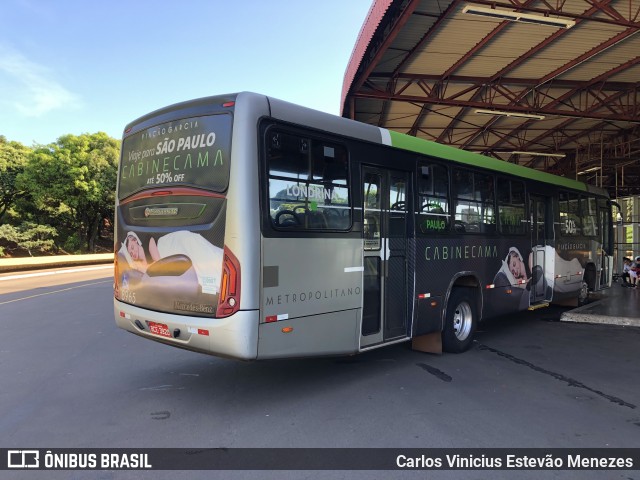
{"x": 193, "y": 151}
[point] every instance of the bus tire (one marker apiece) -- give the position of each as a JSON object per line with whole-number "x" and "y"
{"x": 583, "y": 294}
{"x": 460, "y": 322}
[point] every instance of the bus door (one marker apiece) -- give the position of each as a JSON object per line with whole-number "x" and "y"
{"x": 606, "y": 242}
{"x": 385, "y": 206}
{"x": 542, "y": 261}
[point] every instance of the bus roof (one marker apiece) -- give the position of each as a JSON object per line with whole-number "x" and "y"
{"x": 426, "y": 147}
{"x": 203, "y": 106}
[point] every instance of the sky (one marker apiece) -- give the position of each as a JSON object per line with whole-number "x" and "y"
{"x": 78, "y": 66}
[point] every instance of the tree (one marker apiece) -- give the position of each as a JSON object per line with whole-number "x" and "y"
{"x": 13, "y": 158}
{"x": 72, "y": 184}
{"x": 27, "y": 236}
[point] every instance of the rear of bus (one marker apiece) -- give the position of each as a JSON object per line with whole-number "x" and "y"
{"x": 181, "y": 247}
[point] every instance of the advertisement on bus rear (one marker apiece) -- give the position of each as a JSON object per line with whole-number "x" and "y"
{"x": 171, "y": 216}
{"x": 177, "y": 272}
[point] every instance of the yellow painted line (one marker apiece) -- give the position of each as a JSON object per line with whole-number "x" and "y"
{"x": 55, "y": 291}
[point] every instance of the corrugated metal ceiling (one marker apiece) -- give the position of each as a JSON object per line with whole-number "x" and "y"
{"x": 425, "y": 67}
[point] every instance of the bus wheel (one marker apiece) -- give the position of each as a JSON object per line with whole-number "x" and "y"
{"x": 460, "y": 323}
{"x": 583, "y": 294}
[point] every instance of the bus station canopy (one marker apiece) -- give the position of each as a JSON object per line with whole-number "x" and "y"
{"x": 553, "y": 85}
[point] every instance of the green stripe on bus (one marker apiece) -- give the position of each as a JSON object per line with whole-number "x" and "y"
{"x": 425, "y": 147}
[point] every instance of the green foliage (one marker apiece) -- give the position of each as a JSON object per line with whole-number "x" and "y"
{"x": 28, "y": 236}
{"x": 13, "y": 158}
{"x": 72, "y": 243}
{"x": 71, "y": 185}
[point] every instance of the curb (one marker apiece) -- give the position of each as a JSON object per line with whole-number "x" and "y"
{"x": 8, "y": 265}
{"x": 581, "y": 315}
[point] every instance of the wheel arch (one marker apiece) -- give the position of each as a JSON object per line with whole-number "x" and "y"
{"x": 465, "y": 279}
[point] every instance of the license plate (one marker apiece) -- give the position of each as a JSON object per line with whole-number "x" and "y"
{"x": 160, "y": 329}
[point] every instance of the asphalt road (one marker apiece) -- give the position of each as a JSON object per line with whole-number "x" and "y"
{"x": 70, "y": 378}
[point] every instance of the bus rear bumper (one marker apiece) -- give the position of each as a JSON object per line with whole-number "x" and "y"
{"x": 232, "y": 337}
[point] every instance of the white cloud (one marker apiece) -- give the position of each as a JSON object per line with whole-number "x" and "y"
{"x": 35, "y": 90}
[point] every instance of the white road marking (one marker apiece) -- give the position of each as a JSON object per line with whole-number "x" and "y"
{"x": 56, "y": 291}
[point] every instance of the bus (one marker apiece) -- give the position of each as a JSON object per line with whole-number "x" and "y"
{"x": 251, "y": 228}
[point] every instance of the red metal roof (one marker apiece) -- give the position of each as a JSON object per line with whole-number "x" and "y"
{"x": 369, "y": 27}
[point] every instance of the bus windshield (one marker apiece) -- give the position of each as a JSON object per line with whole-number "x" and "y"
{"x": 192, "y": 151}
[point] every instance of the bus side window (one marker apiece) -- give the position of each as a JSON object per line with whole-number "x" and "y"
{"x": 475, "y": 202}
{"x": 336, "y": 218}
{"x": 433, "y": 199}
{"x": 570, "y": 220}
{"x": 511, "y": 207}
{"x": 308, "y": 183}
{"x": 589, "y": 216}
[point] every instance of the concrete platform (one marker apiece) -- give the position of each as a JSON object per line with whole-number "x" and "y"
{"x": 614, "y": 306}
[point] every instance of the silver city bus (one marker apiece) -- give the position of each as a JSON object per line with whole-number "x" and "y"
{"x": 251, "y": 228}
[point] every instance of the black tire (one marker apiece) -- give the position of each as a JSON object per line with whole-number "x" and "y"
{"x": 583, "y": 294}
{"x": 588, "y": 285}
{"x": 460, "y": 321}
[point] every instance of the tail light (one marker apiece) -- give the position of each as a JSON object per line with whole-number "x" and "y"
{"x": 229, "y": 300}
{"x": 116, "y": 277}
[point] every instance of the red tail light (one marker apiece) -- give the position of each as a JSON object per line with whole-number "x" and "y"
{"x": 229, "y": 300}
{"x": 116, "y": 276}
